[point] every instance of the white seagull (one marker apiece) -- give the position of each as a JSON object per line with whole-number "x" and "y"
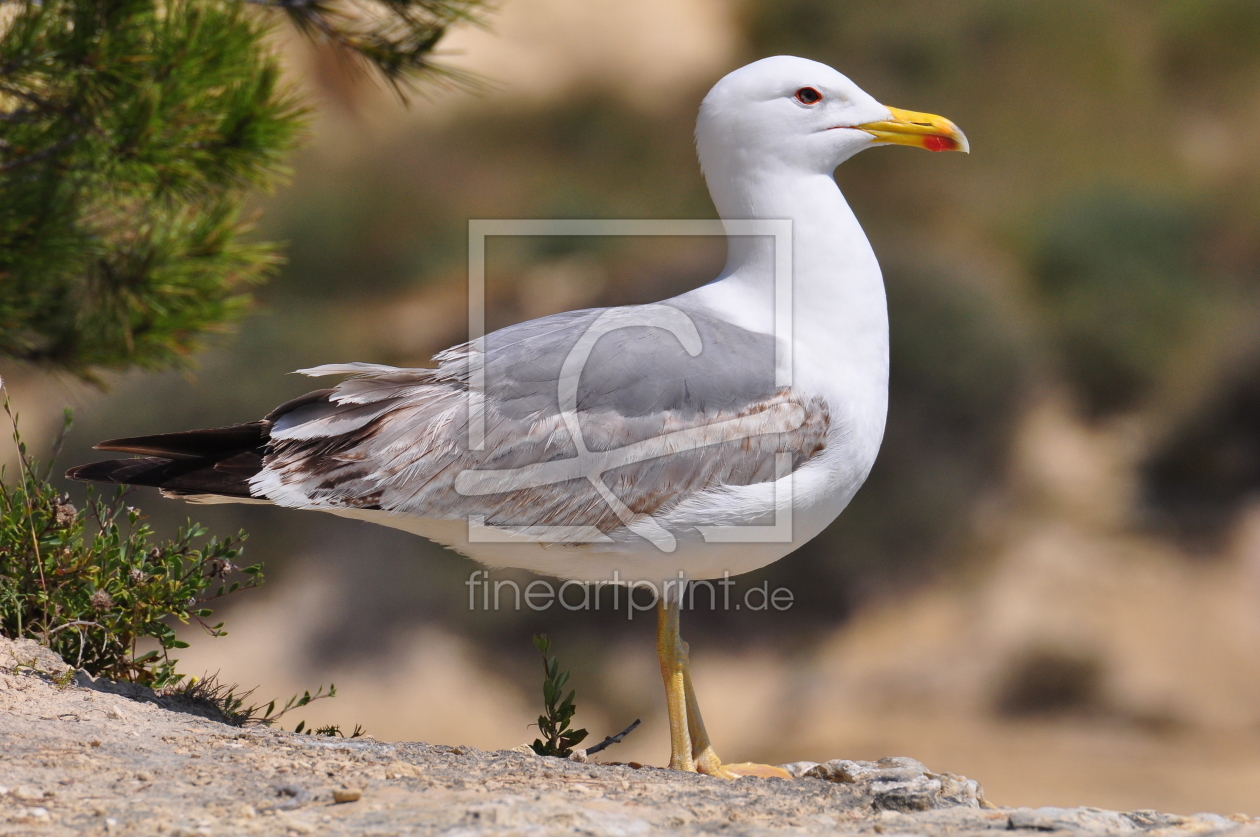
{"x": 640, "y": 444}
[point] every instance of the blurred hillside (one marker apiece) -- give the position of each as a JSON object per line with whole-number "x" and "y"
{"x": 1051, "y": 581}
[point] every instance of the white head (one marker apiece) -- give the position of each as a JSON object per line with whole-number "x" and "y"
{"x": 793, "y": 115}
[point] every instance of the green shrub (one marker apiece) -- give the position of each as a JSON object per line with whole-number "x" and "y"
{"x": 95, "y": 586}
{"x": 1123, "y": 288}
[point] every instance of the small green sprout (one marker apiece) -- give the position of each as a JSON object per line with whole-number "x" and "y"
{"x": 558, "y": 740}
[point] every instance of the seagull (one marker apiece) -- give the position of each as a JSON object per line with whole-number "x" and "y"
{"x": 666, "y": 444}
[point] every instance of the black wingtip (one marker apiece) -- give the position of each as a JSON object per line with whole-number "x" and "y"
{"x": 121, "y": 471}
{"x": 191, "y": 445}
{"x": 139, "y": 447}
{"x": 176, "y": 476}
{"x": 217, "y": 460}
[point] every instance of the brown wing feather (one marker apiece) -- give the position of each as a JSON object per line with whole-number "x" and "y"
{"x": 406, "y": 454}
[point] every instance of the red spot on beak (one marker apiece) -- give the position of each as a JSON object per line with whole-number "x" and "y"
{"x": 933, "y": 143}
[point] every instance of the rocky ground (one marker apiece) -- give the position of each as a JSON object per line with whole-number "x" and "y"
{"x": 78, "y": 758}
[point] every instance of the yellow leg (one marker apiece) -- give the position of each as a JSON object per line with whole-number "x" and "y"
{"x": 673, "y": 656}
{"x": 689, "y": 745}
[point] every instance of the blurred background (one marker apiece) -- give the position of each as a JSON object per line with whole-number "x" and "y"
{"x": 1051, "y": 582}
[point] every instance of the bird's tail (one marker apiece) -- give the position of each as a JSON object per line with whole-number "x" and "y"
{"x": 212, "y": 465}
{"x": 217, "y": 461}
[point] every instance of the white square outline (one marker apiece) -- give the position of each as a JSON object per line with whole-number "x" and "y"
{"x": 480, "y": 228}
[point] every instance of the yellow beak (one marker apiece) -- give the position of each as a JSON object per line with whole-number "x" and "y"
{"x": 922, "y": 130}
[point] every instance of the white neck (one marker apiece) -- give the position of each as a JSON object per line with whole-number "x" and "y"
{"x": 840, "y": 316}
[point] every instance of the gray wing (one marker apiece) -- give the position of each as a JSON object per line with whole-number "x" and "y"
{"x": 665, "y": 410}
{"x": 634, "y": 370}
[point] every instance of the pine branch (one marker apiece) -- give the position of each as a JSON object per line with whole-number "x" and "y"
{"x": 43, "y": 154}
{"x": 396, "y": 38}
{"x": 131, "y": 133}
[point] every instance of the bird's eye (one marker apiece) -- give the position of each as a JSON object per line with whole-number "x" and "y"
{"x": 808, "y": 96}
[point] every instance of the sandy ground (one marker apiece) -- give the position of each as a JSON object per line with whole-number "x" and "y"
{"x": 1171, "y": 722}
{"x": 76, "y": 760}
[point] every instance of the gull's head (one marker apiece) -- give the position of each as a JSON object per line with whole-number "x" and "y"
{"x": 796, "y": 114}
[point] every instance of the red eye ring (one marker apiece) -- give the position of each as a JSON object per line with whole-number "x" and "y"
{"x": 808, "y": 96}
